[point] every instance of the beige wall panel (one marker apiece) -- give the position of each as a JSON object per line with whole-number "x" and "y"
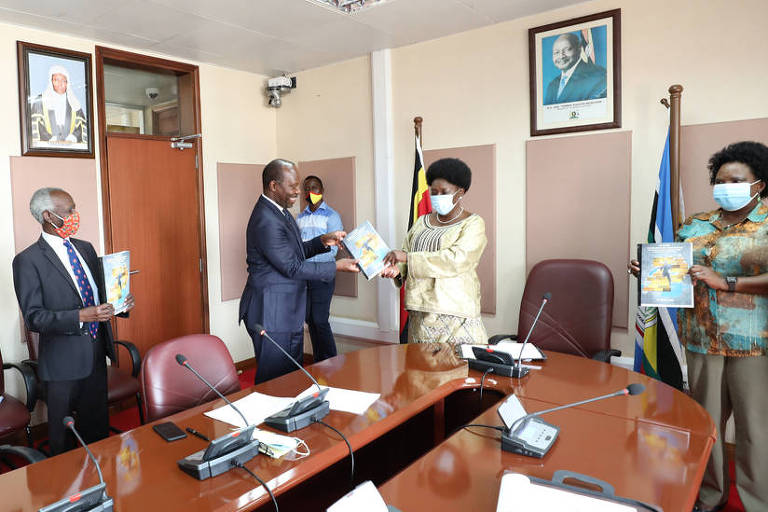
{"x": 577, "y": 204}
{"x": 481, "y": 199}
{"x": 75, "y": 175}
{"x": 699, "y": 142}
{"x": 472, "y": 88}
{"x": 239, "y": 189}
{"x": 329, "y": 116}
{"x": 338, "y": 175}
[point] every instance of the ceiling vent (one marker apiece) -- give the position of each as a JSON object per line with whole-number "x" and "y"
{"x": 348, "y": 6}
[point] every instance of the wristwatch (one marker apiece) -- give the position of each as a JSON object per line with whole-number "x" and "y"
{"x": 731, "y": 281}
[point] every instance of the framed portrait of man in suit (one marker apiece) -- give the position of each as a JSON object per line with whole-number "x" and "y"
{"x": 55, "y": 101}
{"x": 575, "y": 74}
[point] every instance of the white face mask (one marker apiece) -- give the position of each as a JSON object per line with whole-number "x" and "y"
{"x": 276, "y": 445}
{"x": 733, "y": 196}
{"x": 443, "y": 204}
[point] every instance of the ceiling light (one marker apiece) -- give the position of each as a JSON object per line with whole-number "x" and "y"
{"x": 348, "y": 6}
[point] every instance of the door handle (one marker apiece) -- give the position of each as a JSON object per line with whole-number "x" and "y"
{"x": 133, "y": 272}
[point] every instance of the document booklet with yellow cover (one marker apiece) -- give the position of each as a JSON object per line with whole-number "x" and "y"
{"x": 117, "y": 270}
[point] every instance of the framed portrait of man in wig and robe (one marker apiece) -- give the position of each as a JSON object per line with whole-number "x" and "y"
{"x": 55, "y": 101}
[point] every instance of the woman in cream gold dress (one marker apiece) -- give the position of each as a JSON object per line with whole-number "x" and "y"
{"x": 439, "y": 260}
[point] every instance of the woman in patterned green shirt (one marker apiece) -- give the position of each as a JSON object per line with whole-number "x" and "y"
{"x": 726, "y": 332}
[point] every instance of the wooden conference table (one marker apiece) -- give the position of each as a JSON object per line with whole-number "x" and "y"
{"x": 652, "y": 447}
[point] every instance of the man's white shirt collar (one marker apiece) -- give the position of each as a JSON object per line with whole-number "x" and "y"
{"x": 274, "y": 203}
{"x": 57, "y": 244}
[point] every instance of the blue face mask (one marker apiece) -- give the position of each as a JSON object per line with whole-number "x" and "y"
{"x": 442, "y": 204}
{"x": 733, "y": 196}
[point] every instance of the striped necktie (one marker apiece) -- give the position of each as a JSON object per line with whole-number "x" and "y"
{"x": 86, "y": 292}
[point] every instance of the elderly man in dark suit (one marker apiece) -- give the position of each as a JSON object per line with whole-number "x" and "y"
{"x": 275, "y": 294}
{"x": 578, "y": 80}
{"x": 59, "y": 284}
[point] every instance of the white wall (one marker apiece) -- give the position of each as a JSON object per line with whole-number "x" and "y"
{"x": 472, "y": 88}
{"x": 237, "y": 127}
{"x": 329, "y": 115}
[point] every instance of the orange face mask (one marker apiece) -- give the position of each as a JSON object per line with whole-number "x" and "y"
{"x": 71, "y": 223}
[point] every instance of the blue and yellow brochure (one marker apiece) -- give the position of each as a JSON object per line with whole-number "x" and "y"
{"x": 117, "y": 270}
{"x": 664, "y": 279}
{"x": 365, "y": 245}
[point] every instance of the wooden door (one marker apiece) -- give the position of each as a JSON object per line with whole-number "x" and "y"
{"x": 154, "y": 213}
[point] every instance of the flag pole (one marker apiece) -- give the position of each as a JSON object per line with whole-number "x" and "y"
{"x": 417, "y": 128}
{"x": 673, "y": 104}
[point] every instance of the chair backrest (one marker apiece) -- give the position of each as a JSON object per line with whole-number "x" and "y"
{"x": 577, "y": 319}
{"x": 168, "y": 388}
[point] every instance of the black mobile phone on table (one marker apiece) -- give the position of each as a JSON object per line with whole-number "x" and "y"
{"x": 169, "y": 431}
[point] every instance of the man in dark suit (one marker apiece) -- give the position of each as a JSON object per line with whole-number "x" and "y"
{"x": 275, "y": 294}
{"x": 59, "y": 285}
{"x": 578, "y": 80}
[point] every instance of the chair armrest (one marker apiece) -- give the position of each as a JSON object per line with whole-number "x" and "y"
{"x": 135, "y": 357}
{"x": 30, "y": 382}
{"x": 605, "y": 355}
{"x": 29, "y": 454}
{"x": 498, "y": 337}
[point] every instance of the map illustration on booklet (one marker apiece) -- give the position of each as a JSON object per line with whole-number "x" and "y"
{"x": 664, "y": 278}
{"x": 117, "y": 268}
{"x": 366, "y": 246}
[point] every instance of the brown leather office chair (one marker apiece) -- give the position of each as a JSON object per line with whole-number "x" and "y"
{"x": 15, "y": 415}
{"x": 168, "y": 388}
{"x": 121, "y": 384}
{"x": 577, "y": 319}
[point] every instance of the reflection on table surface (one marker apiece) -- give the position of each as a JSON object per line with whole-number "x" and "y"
{"x": 651, "y": 447}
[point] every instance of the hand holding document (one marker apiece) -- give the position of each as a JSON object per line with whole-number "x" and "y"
{"x": 368, "y": 248}
{"x": 116, "y": 268}
{"x": 664, "y": 279}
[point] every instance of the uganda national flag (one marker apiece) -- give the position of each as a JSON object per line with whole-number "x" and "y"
{"x": 419, "y": 205}
{"x": 658, "y": 352}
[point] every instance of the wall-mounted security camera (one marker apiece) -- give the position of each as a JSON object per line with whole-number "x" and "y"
{"x": 152, "y": 92}
{"x": 277, "y": 85}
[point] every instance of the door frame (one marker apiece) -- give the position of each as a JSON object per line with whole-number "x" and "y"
{"x": 145, "y": 62}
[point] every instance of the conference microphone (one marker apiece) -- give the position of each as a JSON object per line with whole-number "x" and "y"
{"x": 500, "y": 362}
{"x": 519, "y": 371}
{"x": 183, "y": 361}
{"x": 225, "y": 452}
{"x": 528, "y": 435}
{"x": 92, "y": 499}
{"x": 303, "y": 412}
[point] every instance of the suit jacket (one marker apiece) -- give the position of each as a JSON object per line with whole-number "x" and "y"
{"x": 50, "y": 304}
{"x": 275, "y": 294}
{"x": 588, "y": 82}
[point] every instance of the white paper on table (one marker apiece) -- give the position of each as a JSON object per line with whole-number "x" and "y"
{"x": 256, "y": 407}
{"x": 346, "y": 400}
{"x": 363, "y": 497}
{"x": 518, "y": 493}
{"x": 510, "y": 347}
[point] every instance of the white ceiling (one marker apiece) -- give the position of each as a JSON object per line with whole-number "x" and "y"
{"x": 263, "y": 36}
